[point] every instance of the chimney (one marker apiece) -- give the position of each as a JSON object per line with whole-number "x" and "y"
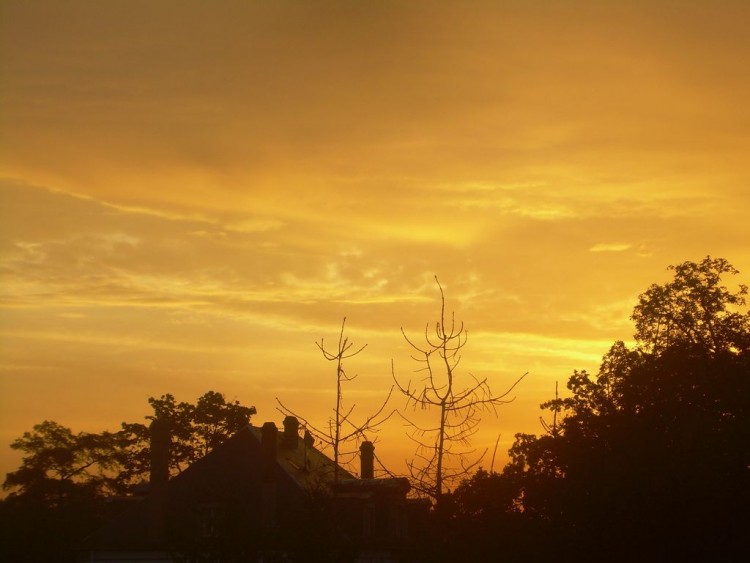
{"x": 367, "y": 460}
{"x": 159, "y": 478}
{"x": 268, "y": 486}
{"x": 268, "y": 446}
{"x": 291, "y": 429}
{"x": 309, "y": 442}
{"x": 160, "y": 444}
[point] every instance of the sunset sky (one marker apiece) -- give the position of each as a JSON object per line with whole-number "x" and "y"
{"x": 193, "y": 193}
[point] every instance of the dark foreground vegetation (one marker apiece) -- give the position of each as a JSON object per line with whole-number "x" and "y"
{"x": 69, "y": 484}
{"x": 648, "y": 460}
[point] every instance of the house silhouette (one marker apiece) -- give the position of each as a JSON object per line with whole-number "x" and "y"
{"x": 262, "y": 495}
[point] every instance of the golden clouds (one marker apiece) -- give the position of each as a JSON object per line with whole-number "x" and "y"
{"x": 610, "y": 247}
{"x": 182, "y": 177}
{"x": 200, "y": 106}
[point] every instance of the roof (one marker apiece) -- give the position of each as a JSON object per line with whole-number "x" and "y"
{"x": 307, "y": 466}
{"x": 231, "y": 473}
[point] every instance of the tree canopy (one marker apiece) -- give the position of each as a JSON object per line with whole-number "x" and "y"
{"x": 57, "y": 494}
{"x": 649, "y": 458}
{"x": 694, "y": 309}
{"x": 58, "y": 462}
{"x": 195, "y": 430}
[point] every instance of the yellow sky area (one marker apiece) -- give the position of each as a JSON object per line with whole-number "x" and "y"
{"x": 193, "y": 194}
{"x": 220, "y": 108}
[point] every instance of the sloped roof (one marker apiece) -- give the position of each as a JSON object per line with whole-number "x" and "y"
{"x": 306, "y": 465}
{"x": 233, "y": 471}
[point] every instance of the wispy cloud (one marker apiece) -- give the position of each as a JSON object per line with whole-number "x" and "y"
{"x": 610, "y": 247}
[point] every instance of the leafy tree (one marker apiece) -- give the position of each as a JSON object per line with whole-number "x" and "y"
{"x": 57, "y": 495}
{"x": 653, "y": 453}
{"x": 195, "y": 430}
{"x": 58, "y": 463}
{"x": 693, "y": 309}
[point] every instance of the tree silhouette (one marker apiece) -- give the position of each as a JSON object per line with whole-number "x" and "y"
{"x": 443, "y": 455}
{"x": 195, "y": 430}
{"x": 653, "y": 453}
{"x": 694, "y": 309}
{"x": 58, "y": 463}
{"x": 342, "y": 428}
{"x": 62, "y": 490}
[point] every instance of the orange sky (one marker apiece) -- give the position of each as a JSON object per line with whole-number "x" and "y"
{"x": 193, "y": 193}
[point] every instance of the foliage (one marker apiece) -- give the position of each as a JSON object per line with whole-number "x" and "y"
{"x": 196, "y": 429}
{"x": 653, "y": 453}
{"x": 694, "y": 309}
{"x": 61, "y": 490}
{"x": 58, "y": 463}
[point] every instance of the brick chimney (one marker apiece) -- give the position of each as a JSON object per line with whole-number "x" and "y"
{"x": 268, "y": 446}
{"x": 160, "y": 445}
{"x": 291, "y": 432}
{"x": 159, "y": 478}
{"x": 367, "y": 460}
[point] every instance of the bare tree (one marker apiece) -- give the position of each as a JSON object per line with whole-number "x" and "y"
{"x": 443, "y": 455}
{"x": 341, "y": 427}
